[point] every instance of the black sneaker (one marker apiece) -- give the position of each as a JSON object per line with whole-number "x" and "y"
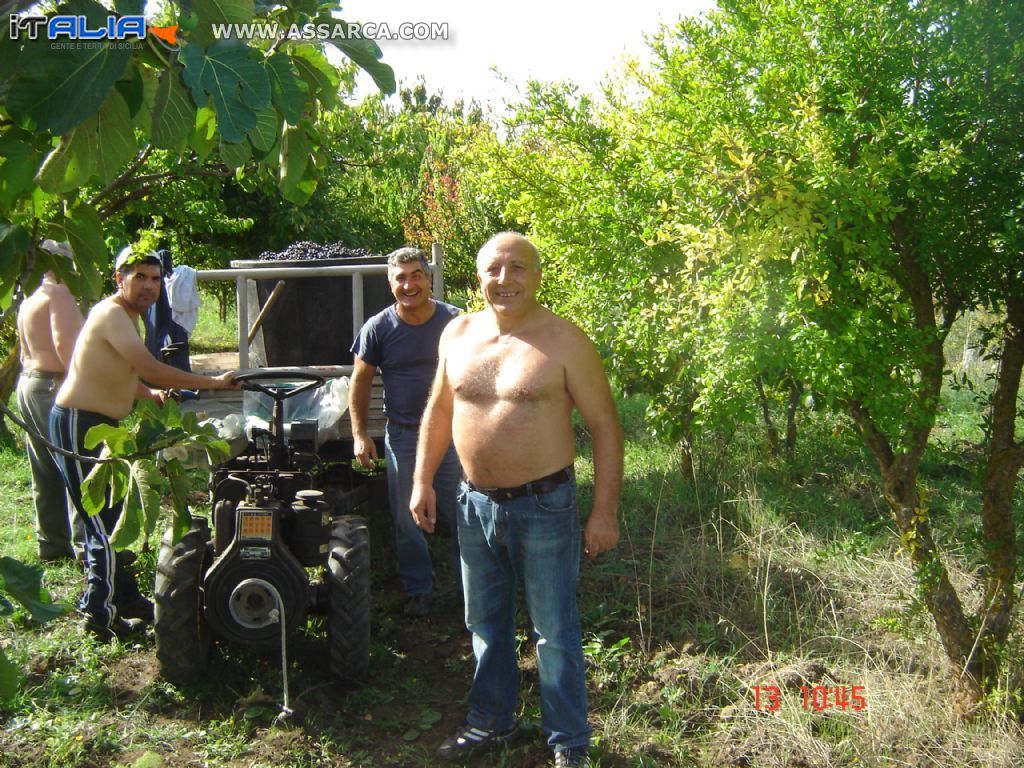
{"x": 122, "y": 629}
{"x": 417, "y": 606}
{"x": 573, "y": 757}
{"x": 469, "y": 741}
{"x": 139, "y": 608}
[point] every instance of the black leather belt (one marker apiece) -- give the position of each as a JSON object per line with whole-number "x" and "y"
{"x": 35, "y": 373}
{"x": 541, "y": 485}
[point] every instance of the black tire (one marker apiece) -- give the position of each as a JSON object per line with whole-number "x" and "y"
{"x": 182, "y": 636}
{"x": 348, "y": 589}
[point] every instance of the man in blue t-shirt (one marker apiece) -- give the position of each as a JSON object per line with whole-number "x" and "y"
{"x": 402, "y": 342}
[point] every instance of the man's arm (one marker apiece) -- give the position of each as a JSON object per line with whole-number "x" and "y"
{"x": 360, "y": 388}
{"x": 435, "y": 437}
{"x": 119, "y": 332}
{"x": 66, "y": 323}
{"x": 588, "y": 387}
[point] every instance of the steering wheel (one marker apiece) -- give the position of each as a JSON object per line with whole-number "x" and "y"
{"x": 278, "y": 393}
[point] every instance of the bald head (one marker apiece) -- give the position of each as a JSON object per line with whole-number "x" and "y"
{"x": 508, "y": 241}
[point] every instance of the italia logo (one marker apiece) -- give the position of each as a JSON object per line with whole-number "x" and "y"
{"x": 79, "y": 28}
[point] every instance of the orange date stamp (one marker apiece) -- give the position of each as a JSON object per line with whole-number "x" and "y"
{"x": 816, "y": 698}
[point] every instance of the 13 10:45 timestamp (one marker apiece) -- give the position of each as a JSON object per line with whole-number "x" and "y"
{"x": 817, "y": 698}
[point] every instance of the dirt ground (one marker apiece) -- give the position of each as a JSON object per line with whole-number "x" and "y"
{"x": 413, "y": 698}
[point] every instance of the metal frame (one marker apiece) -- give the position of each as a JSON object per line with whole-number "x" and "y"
{"x": 243, "y": 274}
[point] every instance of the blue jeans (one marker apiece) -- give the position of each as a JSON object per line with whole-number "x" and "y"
{"x": 532, "y": 541}
{"x": 414, "y": 564}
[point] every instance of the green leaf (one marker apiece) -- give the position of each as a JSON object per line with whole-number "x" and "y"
{"x": 148, "y": 433}
{"x": 111, "y": 434}
{"x": 114, "y": 143}
{"x": 224, "y": 11}
{"x": 234, "y": 78}
{"x": 20, "y": 158}
{"x": 119, "y": 480}
{"x": 23, "y": 582}
{"x": 129, "y": 524}
{"x": 367, "y": 55}
{"x": 69, "y": 166}
{"x": 132, "y": 90}
{"x": 297, "y": 180}
{"x": 142, "y": 503}
{"x": 235, "y": 155}
{"x": 179, "y": 498}
{"x": 14, "y": 241}
{"x": 174, "y": 113}
{"x": 313, "y": 67}
{"x": 204, "y": 134}
{"x": 10, "y": 677}
{"x": 268, "y": 123}
{"x": 94, "y": 488}
{"x": 217, "y": 450}
{"x": 287, "y": 89}
{"x": 54, "y": 89}
{"x": 83, "y": 230}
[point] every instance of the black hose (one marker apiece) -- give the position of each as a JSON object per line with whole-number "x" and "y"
{"x": 49, "y": 444}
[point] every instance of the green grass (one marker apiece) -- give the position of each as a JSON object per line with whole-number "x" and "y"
{"x": 765, "y": 573}
{"x": 210, "y": 334}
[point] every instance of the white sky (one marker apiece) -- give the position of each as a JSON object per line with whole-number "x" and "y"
{"x": 544, "y": 39}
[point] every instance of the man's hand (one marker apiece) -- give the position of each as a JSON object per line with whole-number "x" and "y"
{"x": 423, "y": 505}
{"x": 365, "y": 451}
{"x": 600, "y": 535}
{"x": 225, "y": 381}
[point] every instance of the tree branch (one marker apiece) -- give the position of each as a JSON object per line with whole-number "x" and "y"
{"x": 124, "y": 178}
{"x": 148, "y": 183}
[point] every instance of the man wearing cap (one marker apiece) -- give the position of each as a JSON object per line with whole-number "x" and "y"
{"x": 101, "y": 388}
{"x": 48, "y": 324}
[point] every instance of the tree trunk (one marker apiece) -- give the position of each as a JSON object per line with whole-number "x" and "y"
{"x": 1003, "y": 460}
{"x": 687, "y": 467}
{"x": 792, "y": 404}
{"x": 9, "y": 370}
{"x": 899, "y": 485}
{"x": 974, "y": 667}
{"x": 773, "y": 433}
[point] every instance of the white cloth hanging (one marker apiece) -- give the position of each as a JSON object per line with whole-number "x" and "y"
{"x": 183, "y": 295}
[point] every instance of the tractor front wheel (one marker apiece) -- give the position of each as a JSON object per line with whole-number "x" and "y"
{"x": 348, "y": 588}
{"x": 182, "y": 636}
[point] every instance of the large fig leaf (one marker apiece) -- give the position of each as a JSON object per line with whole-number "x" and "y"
{"x": 174, "y": 113}
{"x": 233, "y": 76}
{"x": 367, "y": 55}
{"x": 24, "y": 583}
{"x": 288, "y": 90}
{"x": 54, "y": 89}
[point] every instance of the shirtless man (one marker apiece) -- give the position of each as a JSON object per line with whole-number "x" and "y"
{"x": 506, "y": 385}
{"x": 48, "y": 324}
{"x": 101, "y": 388}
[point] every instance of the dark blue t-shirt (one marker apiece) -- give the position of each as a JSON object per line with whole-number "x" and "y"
{"x": 407, "y": 357}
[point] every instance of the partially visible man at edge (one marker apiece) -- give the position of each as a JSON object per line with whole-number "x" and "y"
{"x": 401, "y": 341}
{"x": 101, "y": 388}
{"x": 48, "y": 323}
{"x": 506, "y": 385}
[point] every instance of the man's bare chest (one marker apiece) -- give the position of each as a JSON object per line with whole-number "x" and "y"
{"x": 505, "y": 372}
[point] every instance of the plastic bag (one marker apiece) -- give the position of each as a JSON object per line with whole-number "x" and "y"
{"x": 325, "y": 404}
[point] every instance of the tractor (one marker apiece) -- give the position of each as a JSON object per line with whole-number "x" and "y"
{"x": 274, "y": 552}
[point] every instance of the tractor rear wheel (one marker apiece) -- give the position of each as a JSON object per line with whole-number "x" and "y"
{"x": 348, "y": 588}
{"x": 182, "y": 636}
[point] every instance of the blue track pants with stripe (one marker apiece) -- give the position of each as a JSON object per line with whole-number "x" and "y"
{"x": 106, "y": 583}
